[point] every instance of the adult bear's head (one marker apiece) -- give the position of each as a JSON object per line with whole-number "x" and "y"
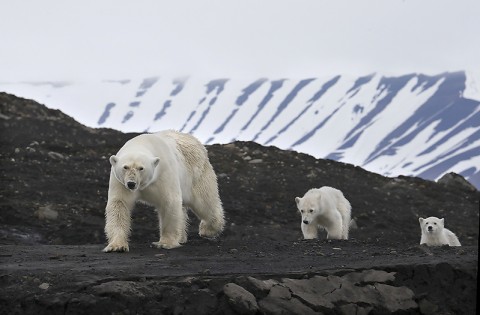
{"x": 134, "y": 171}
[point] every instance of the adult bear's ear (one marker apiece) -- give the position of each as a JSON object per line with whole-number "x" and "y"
{"x": 297, "y": 200}
{"x": 113, "y": 160}
{"x": 156, "y": 161}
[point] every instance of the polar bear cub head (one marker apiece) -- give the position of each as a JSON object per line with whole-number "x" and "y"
{"x": 431, "y": 225}
{"x": 309, "y": 206}
{"x": 134, "y": 171}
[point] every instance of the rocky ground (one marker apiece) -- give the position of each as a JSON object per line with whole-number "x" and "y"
{"x": 54, "y": 181}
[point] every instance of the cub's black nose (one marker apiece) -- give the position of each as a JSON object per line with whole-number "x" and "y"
{"x": 305, "y": 221}
{"x": 131, "y": 185}
{"x": 430, "y": 228}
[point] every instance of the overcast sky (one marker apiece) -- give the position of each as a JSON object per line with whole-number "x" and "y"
{"x": 115, "y": 39}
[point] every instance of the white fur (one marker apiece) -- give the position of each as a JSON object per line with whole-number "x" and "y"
{"x": 169, "y": 170}
{"x": 435, "y": 234}
{"x": 327, "y": 208}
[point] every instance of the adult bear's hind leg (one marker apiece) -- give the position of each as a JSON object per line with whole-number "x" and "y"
{"x": 206, "y": 204}
{"x": 208, "y": 208}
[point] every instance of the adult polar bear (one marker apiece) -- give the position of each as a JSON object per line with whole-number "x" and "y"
{"x": 168, "y": 170}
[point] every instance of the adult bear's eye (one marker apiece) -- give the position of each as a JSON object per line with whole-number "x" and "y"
{"x": 125, "y": 167}
{"x": 140, "y": 168}
{"x": 311, "y": 210}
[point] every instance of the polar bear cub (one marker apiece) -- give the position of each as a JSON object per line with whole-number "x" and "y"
{"x": 435, "y": 234}
{"x": 170, "y": 171}
{"x": 324, "y": 207}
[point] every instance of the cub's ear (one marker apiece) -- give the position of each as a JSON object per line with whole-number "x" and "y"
{"x": 113, "y": 160}
{"x": 297, "y": 200}
{"x": 420, "y": 220}
{"x": 442, "y": 220}
{"x": 156, "y": 161}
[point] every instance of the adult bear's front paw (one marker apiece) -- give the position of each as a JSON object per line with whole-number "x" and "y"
{"x": 116, "y": 247}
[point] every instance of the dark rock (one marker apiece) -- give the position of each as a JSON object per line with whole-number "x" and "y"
{"x": 326, "y": 294}
{"x": 278, "y": 304}
{"x": 119, "y": 288}
{"x": 259, "y": 288}
{"x": 279, "y": 291}
{"x": 369, "y": 276}
{"x": 456, "y": 180}
{"x": 427, "y": 308}
{"x": 314, "y": 291}
{"x": 396, "y": 298}
{"x": 240, "y": 299}
{"x": 349, "y": 309}
{"x": 46, "y": 213}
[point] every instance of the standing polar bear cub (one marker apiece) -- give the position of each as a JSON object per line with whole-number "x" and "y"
{"x": 435, "y": 234}
{"x": 325, "y": 207}
{"x": 169, "y": 170}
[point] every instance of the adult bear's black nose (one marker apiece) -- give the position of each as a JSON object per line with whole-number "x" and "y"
{"x": 305, "y": 221}
{"x": 131, "y": 185}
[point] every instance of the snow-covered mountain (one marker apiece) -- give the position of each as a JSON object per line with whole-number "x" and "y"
{"x": 405, "y": 125}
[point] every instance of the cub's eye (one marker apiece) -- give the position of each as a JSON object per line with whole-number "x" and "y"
{"x": 311, "y": 210}
{"x": 140, "y": 168}
{"x": 125, "y": 167}
{"x": 435, "y": 223}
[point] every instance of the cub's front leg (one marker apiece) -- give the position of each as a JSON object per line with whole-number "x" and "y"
{"x": 310, "y": 231}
